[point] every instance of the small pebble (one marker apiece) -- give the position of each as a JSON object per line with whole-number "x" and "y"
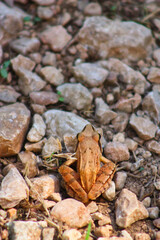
{"x": 92, "y": 207}
{"x": 147, "y": 202}
{"x": 110, "y": 193}
{"x": 156, "y": 223}
{"x": 153, "y": 212}
{"x": 120, "y": 179}
{"x": 71, "y": 234}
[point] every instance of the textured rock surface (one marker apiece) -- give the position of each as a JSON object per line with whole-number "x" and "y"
{"x": 103, "y": 113}
{"x": 38, "y": 129}
{"x": 22, "y": 62}
{"x": 8, "y": 94}
{"x": 76, "y": 95}
{"x": 72, "y": 212}
{"x": 60, "y": 123}
{"x": 25, "y": 230}
{"x": 151, "y": 104}
{"x": 14, "y": 120}
{"x": 43, "y": 97}
{"x": 100, "y": 34}
{"x": 52, "y": 75}
{"x": 45, "y": 185}
{"x": 56, "y": 37}
{"x": 129, "y": 209}
{"x": 143, "y": 127}
{"x": 29, "y": 81}
{"x": 90, "y": 74}
{"x": 13, "y": 189}
{"x": 116, "y": 151}
{"x": 129, "y": 75}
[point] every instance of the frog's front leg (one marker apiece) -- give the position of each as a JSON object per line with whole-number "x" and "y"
{"x": 104, "y": 177}
{"x": 72, "y": 183}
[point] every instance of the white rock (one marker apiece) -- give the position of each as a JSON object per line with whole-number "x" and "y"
{"x": 110, "y": 193}
{"x": 13, "y": 189}
{"x": 76, "y": 95}
{"x": 37, "y": 130}
{"x": 129, "y": 209}
{"x": 72, "y": 212}
{"x": 103, "y": 113}
{"x": 71, "y": 234}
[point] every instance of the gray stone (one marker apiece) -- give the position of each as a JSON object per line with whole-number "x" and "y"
{"x": 13, "y": 189}
{"x": 8, "y": 94}
{"x": 29, "y": 81}
{"x": 103, "y": 113}
{"x": 11, "y": 22}
{"x": 110, "y": 193}
{"x": 90, "y": 74}
{"x": 128, "y": 75}
{"x": 151, "y": 104}
{"x": 14, "y": 121}
{"x": 156, "y": 56}
{"x": 114, "y": 38}
{"x": 45, "y": 12}
{"x": 49, "y": 59}
{"x": 143, "y": 127}
{"x": 120, "y": 122}
{"x": 60, "y": 123}
{"x": 25, "y": 45}
{"x": 120, "y": 179}
{"x": 153, "y": 212}
{"x": 76, "y": 95}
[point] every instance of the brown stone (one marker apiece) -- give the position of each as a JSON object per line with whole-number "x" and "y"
{"x": 44, "y": 98}
{"x": 116, "y": 151}
{"x": 14, "y": 120}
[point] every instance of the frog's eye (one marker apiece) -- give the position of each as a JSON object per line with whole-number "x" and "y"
{"x": 96, "y": 137}
{"x": 80, "y": 137}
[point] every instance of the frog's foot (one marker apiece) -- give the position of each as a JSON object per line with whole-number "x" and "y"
{"x": 104, "y": 177}
{"x": 73, "y": 187}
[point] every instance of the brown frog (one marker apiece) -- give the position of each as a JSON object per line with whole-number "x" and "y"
{"x": 91, "y": 179}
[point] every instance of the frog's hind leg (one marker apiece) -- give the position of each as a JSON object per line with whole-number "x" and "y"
{"x": 104, "y": 177}
{"x": 72, "y": 183}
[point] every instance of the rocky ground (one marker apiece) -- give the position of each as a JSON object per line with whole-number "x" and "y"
{"x": 65, "y": 64}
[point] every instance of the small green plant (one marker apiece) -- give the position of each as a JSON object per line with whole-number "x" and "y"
{"x": 30, "y": 19}
{"x": 60, "y": 98}
{"x": 88, "y": 231}
{"x": 113, "y": 8}
{"x": 4, "y": 69}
